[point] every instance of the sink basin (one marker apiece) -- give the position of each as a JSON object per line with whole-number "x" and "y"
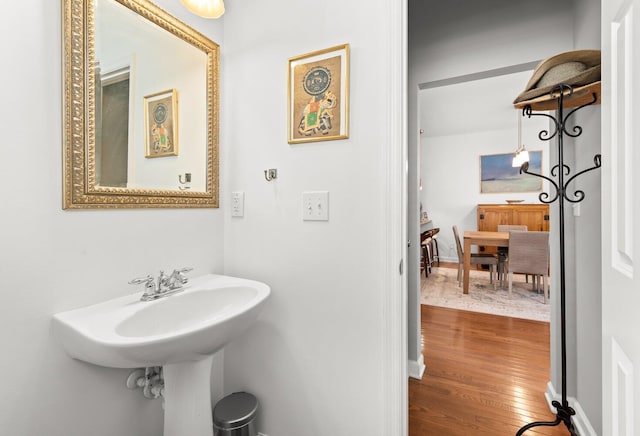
{"x": 128, "y": 333}
{"x": 188, "y": 311}
{"x": 180, "y": 332}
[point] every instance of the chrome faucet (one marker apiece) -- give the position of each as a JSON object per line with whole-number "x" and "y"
{"x": 164, "y": 285}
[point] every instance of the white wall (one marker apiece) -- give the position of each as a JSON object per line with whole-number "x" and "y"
{"x": 53, "y": 260}
{"x": 315, "y": 359}
{"x": 588, "y": 271}
{"x": 462, "y": 122}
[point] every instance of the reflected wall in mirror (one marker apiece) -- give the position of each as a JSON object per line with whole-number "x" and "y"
{"x": 140, "y": 108}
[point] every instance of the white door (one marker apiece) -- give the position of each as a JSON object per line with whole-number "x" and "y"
{"x": 620, "y": 216}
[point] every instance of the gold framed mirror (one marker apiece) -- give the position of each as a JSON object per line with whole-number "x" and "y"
{"x": 140, "y": 108}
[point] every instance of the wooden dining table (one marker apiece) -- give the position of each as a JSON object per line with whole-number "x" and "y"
{"x": 491, "y": 239}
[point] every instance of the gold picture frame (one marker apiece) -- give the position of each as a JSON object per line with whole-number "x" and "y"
{"x": 161, "y": 124}
{"x": 318, "y": 95}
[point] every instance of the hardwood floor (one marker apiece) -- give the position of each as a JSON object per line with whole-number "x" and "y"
{"x": 486, "y": 375}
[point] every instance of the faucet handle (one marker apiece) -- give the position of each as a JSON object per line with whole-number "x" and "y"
{"x": 149, "y": 286}
{"x": 179, "y": 274}
{"x": 148, "y": 280}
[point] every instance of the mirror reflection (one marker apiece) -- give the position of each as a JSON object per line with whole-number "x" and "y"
{"x": 135, "y": 146}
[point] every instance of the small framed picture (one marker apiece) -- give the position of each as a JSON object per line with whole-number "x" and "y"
{"x": 161, "y": 124}
{"x": 318, "y": 95}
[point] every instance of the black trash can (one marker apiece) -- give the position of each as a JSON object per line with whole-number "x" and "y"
{"x": 234, "y": 415}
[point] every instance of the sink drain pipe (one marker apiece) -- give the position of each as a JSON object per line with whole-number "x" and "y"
{"x": 149, "y": 379}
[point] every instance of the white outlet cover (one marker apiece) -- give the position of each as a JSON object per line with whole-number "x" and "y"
{"x": 576, "y": 209}
{"x": 237, "y": 204}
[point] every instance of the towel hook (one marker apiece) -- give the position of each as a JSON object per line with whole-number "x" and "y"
{"x": 270, "y": 174}
{"x": 184, "y": 185}
{"x": 187, "y": 178}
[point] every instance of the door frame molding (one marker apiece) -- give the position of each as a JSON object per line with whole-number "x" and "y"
{"x": 394, "y": 165}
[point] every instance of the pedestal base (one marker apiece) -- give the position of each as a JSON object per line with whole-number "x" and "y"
{"x": 187, "y": 398}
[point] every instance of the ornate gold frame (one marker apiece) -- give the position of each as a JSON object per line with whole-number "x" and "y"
{"x": 79, "y": 184}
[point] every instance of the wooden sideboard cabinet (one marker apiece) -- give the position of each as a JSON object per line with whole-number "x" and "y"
{"x": 534, "y": 216}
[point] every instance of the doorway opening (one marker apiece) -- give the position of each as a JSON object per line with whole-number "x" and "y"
{"x": 461, "y": 120}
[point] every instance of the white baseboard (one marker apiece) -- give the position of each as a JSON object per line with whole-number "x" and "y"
{"x": 580, "y": 420}
{"x": 415, "y": 368}
{"x": 551, "y": 395}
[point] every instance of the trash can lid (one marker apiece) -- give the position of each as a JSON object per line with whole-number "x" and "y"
{"x": 235, "y": 410}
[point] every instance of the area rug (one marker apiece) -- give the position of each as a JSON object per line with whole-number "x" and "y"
{"x": 441, "y": 289}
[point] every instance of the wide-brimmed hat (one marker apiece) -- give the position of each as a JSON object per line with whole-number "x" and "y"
{"x": 575, "y": 68}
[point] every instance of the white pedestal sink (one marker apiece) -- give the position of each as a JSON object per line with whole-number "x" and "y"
{"x": 180, "y": 332}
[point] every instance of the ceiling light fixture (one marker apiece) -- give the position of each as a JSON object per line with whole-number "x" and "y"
{"x": 205, "y": 8}
{"x": 522, "y": 155}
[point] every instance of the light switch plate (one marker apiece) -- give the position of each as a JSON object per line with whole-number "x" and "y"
{"x": 237, "y": 204}
{"x": 315, "y": 206}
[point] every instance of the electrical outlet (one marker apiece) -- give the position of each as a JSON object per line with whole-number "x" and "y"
{"x": 237, "y": 204}
{"x": 576, "y": 209}
{"x": 315, "y": 206}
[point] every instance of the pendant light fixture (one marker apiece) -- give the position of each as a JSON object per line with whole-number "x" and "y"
{"x": 205, "y": 8}
{"x": 522, "y": 155}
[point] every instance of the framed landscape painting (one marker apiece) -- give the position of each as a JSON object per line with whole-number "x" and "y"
{"x": 497, "y": 175}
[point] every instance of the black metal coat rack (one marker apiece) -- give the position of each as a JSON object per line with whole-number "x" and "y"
{"x": 564, "y": 412}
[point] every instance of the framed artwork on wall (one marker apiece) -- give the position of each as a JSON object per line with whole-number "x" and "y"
{"x": 498, "y": 175}
{"x": 318, "y": 95}
{"x": 161, "y": 124}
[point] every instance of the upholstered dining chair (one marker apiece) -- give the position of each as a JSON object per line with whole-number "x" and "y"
{"x": 476, "y": 259}
{"x": 503, "y": 252}
{"x": 529, "y": 254}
